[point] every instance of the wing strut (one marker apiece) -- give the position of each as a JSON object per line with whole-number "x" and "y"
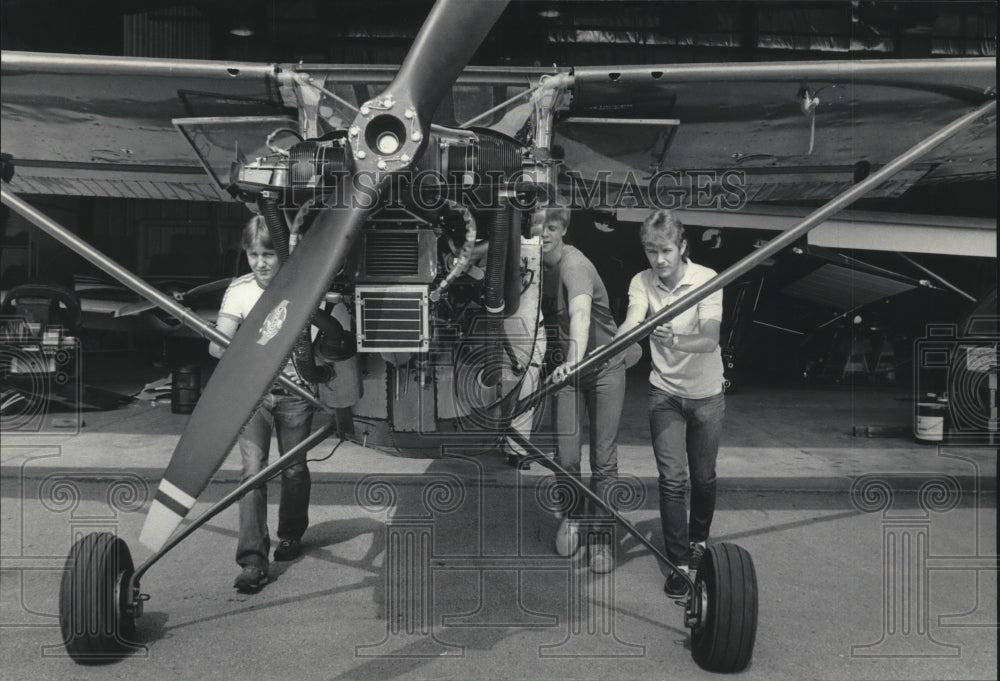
{"x": 938, "y": 277}
{"x": 835, "y": 205}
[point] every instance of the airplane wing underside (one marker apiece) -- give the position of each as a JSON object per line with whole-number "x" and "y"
{"x": 100, "y": 126}
{"x": 750, "y": 118}
{"x": 103, "y": 126}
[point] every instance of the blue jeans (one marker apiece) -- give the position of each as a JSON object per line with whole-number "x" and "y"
{"x": 685, "y": 436}
{"x": 603, "y": 395}
{"x": 291, "y": 419}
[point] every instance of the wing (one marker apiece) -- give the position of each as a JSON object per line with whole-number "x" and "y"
{"x": 791, "y": 130}
{"x": 70, "y": 131}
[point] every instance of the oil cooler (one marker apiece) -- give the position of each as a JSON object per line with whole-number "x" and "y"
{"x": 393, "y": 318}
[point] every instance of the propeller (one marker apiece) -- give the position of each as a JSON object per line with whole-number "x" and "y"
{"x": 388, "y": 134}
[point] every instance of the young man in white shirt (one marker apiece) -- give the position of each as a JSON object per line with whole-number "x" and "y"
{"x": 289, "y": 415}
{"x": 686, "y": 402}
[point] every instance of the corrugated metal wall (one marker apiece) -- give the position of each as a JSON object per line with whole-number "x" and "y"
{"x": 169, "y": 32}
{"x": 170, "y": 238}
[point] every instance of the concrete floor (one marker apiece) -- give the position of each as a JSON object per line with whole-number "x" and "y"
{"x": 820, "y": 509}
{"x": 487, "y": 599}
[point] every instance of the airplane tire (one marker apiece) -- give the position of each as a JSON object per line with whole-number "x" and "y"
{"x": 95, "y": 623}
{"x": 725, "y": 609}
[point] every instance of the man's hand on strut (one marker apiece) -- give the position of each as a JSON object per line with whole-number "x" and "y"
{"x": 561, "y": 372}
{"x": 664, "y": 334}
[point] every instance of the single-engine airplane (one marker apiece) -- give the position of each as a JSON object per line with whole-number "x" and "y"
{"x": 397, "y": 202}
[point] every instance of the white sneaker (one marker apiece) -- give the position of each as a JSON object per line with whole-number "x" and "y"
{"x": 567, "y": 537}
{"x": 602, "y": 560}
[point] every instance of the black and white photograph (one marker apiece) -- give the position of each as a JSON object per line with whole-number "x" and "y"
{"x": 395, "y": 340}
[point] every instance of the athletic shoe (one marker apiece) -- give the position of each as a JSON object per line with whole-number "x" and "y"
{"x": 697, "y": 551}
{"x": 676, "y": 586}
{"x": 567, "y": 537}
{"x": 518, "y": 461}
{"x": 602, "y": 559}
{"x": 288, "y": 549}
{"x": 250, "y": 580}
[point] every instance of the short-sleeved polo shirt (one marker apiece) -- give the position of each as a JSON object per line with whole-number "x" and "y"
{"x": 692, "y": 375}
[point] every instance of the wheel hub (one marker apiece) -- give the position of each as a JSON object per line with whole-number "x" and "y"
{"x": 697, "y": 606}
{"x": 128, "y": 597}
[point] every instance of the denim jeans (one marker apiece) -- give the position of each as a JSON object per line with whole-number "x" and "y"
{"x": 603, "y": 395}
{"x": 291, "y": 419}
{"x": 685, "y": 436}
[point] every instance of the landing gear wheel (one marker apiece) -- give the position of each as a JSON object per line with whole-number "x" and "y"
{"x": 94, "y": 614}
{"x": 723, "y": 610}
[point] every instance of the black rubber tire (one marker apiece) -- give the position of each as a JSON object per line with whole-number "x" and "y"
{"x": 92, "y": 598}
{"x": 724, "y": 641}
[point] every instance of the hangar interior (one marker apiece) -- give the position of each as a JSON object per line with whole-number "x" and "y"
{"x": 843, "y": 317}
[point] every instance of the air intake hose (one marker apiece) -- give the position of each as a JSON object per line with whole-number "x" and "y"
{"x": 302, "y": 352}
{"x": 512, "y": 283}
{"x": 276, "y": 227}
{"x": 496, "y": 265}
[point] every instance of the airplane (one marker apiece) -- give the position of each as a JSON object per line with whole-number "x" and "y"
{"x": 400, "y": 203}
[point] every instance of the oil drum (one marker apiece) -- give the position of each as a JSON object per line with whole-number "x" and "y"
{"x": 185, "y": 388}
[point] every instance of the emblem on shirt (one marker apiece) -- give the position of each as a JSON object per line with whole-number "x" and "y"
{"x": 273, "y": 322}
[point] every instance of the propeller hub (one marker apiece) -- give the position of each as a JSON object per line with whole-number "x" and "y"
{"x": 387, "y": 143}
{"x": 384, "y": 134}
{"x": 384, "y": 140}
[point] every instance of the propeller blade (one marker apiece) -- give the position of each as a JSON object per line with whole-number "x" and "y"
{"x": 258, "y": 352}
{"x": 451, "y": 34}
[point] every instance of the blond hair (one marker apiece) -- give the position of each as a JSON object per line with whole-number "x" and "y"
{"x": 555, "y": 214}
{"x": 664, "y": 226}
{"x": 255, "y": 231}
